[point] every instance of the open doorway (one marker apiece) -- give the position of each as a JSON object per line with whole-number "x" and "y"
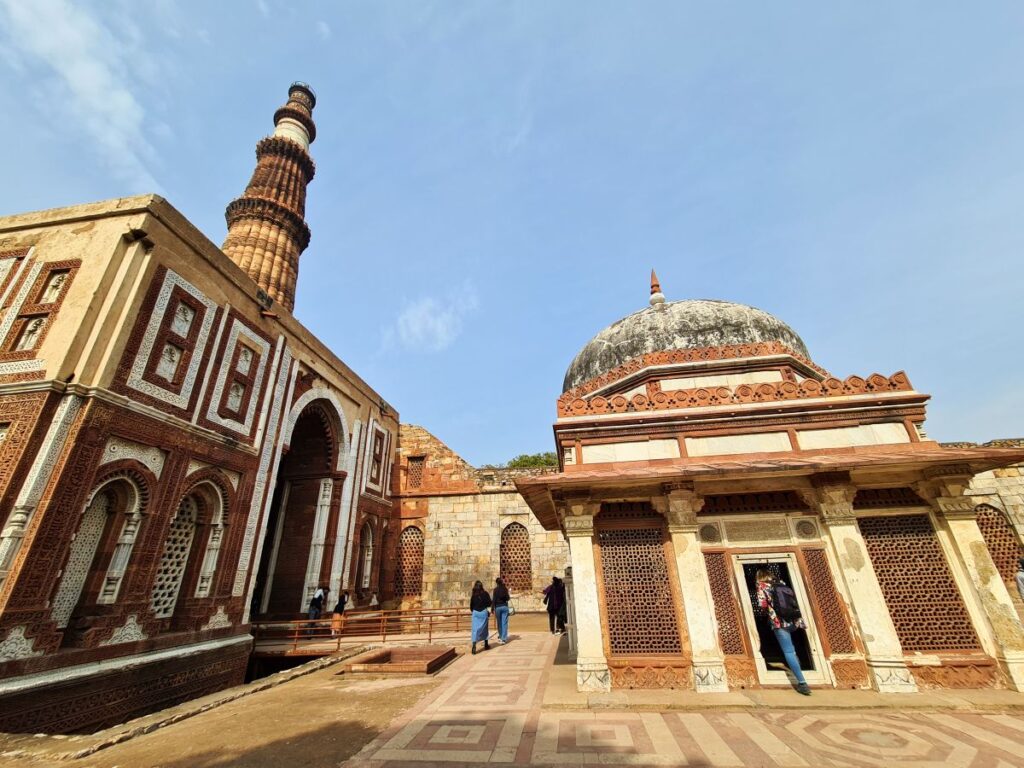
{"x": 771, "y": 666}
{"x": 298, "y": 547}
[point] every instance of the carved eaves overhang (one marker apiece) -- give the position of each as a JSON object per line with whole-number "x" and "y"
{"x": 866, "y": 466}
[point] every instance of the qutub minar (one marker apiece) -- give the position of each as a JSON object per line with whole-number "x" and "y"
{"x": 178, "y": 455}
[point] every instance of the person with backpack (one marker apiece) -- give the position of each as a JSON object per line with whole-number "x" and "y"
{"x": 778, "y": 600}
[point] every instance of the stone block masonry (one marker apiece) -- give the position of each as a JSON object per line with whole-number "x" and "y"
{"x": 469, "y": 517}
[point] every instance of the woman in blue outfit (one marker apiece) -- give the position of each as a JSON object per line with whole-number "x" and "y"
{"x": 501, "y": 598}
{"x": 479, "y": 602}
{"x": 781, "y": 626}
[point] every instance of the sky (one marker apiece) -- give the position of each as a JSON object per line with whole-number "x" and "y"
{"x": 495, "y": 180}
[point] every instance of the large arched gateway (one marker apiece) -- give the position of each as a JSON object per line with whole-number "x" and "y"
{"x": 299, "y": 543}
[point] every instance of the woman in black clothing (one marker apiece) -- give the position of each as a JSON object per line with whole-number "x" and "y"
{"x": 479, "y": 602}
{"x": 501, "y": 598}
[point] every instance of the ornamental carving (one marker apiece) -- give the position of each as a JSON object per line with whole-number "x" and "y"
{"x": 129, "y": 633}
{"x": 17, "y": 646}
{"x": 850, "y": 673}
{"x": 653, "y": 676}
{"x": 218, "y": 620}
{"x": 579, "y": 525}
{"x": 958, "y": 675}
{"x": 703, "y": 397}
{"x": 118, "y": 448}
{"x": 683, "y": 356}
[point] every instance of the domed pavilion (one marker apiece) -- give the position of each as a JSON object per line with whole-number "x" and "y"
{"x": 698, "y": 443}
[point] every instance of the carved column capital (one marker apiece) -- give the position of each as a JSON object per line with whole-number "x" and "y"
{"x": 832, "y": 500}
{"x": 679, "y": 504}
{"x": 578, "y": 525}
{"x": 945, "y": 495}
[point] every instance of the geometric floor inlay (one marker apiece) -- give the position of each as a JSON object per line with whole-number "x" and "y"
{"x": 487, "y": 711}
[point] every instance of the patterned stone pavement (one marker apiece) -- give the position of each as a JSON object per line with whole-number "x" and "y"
{"x": 489, "y": 711}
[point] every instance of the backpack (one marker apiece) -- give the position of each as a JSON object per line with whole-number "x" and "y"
{"x": 784, "y": 602}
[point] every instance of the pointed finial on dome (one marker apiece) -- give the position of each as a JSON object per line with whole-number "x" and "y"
{"x": 657, "y": 297}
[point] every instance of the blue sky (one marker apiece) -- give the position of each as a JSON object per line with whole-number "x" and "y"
{"x": 496, "y": 179}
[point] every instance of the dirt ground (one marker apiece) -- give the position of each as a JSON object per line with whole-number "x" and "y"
{"x": 317, "y": 720}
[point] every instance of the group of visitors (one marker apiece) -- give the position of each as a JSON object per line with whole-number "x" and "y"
{"x": 501, "y": 601}
{"x": 479, "y": 603}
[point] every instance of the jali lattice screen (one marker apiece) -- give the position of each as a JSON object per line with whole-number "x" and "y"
{"x": 823, "y": 588}
{"x": 726, "y": 608}
{"x": 638, "y": 600}
{"x": 514, "y": 557}
{"x": 177, "y": 547}
{"x": 1002, "y": 541}
{"x": 918, "y": 587}
{"x": 409, "y": 574}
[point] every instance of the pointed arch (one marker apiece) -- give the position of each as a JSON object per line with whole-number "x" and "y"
{"x": 331, "y": 405}
{"x": 95, "y": 565}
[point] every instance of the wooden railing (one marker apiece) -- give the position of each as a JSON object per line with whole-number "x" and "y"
{"x": 321, "y": 634}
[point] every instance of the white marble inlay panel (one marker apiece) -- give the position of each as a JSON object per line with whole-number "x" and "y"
{"x": 238, "y": 332}
{"x": 147, "y": 455}
{"x": 135, "y": 380}
{"x": 264, "y": 474}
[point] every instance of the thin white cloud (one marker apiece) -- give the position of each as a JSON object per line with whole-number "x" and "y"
{"x": 88, "y": 71}
{"x": 323, "y": 29}
{"x": 264, "y": 8}
{"x": 432, "y": 324}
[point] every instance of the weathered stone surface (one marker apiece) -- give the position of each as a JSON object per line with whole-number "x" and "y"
{"x": 678, "y": 325}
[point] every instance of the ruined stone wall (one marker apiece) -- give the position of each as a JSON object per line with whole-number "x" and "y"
{"x": 462, "y": 512}
{"x": 462, "y": 544}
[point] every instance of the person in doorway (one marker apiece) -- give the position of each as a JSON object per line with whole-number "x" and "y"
{"x": 1020, "y": 578}
{"x": 501, "y": 599}
{"x": 339, "y": 612}
{"x": 779, "y": 602}
{"x": 479, "y": 602}
{"x": 554, "y": 599}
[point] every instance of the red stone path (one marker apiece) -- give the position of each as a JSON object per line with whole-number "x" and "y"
{"x": 488, "y": 711}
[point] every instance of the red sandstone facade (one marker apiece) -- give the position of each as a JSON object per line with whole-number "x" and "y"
{"x": 177, "y": 455}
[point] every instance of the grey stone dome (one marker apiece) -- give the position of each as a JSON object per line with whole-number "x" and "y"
{"x": 689, "y": 324}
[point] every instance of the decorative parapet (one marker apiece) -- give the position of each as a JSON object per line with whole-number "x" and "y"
{"x": 683, "y": 356}
{"x": 571, "y": 404}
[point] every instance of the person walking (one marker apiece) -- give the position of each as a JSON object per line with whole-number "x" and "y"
{"x": 339, "y": 611}
{"x": 779, "y": 602}
{"x": 554, "y": 597}
{"x": 316, "y": 603}
{"x": 1020, "y": 578}
{"x": 501, "y": 598}
{"x": 479, "y": 602}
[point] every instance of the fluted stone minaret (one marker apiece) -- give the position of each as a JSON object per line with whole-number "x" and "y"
{"x": 267, "y": 230}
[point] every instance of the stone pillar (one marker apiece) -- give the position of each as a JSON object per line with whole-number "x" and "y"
{"x": 887, "y": 666}
{"x": 680, "y": 505}
{"x": 957, "y": 513}
{"x": 591, "y": 665}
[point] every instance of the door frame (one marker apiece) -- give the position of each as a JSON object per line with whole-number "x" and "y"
{"x": 822, "y": 674}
